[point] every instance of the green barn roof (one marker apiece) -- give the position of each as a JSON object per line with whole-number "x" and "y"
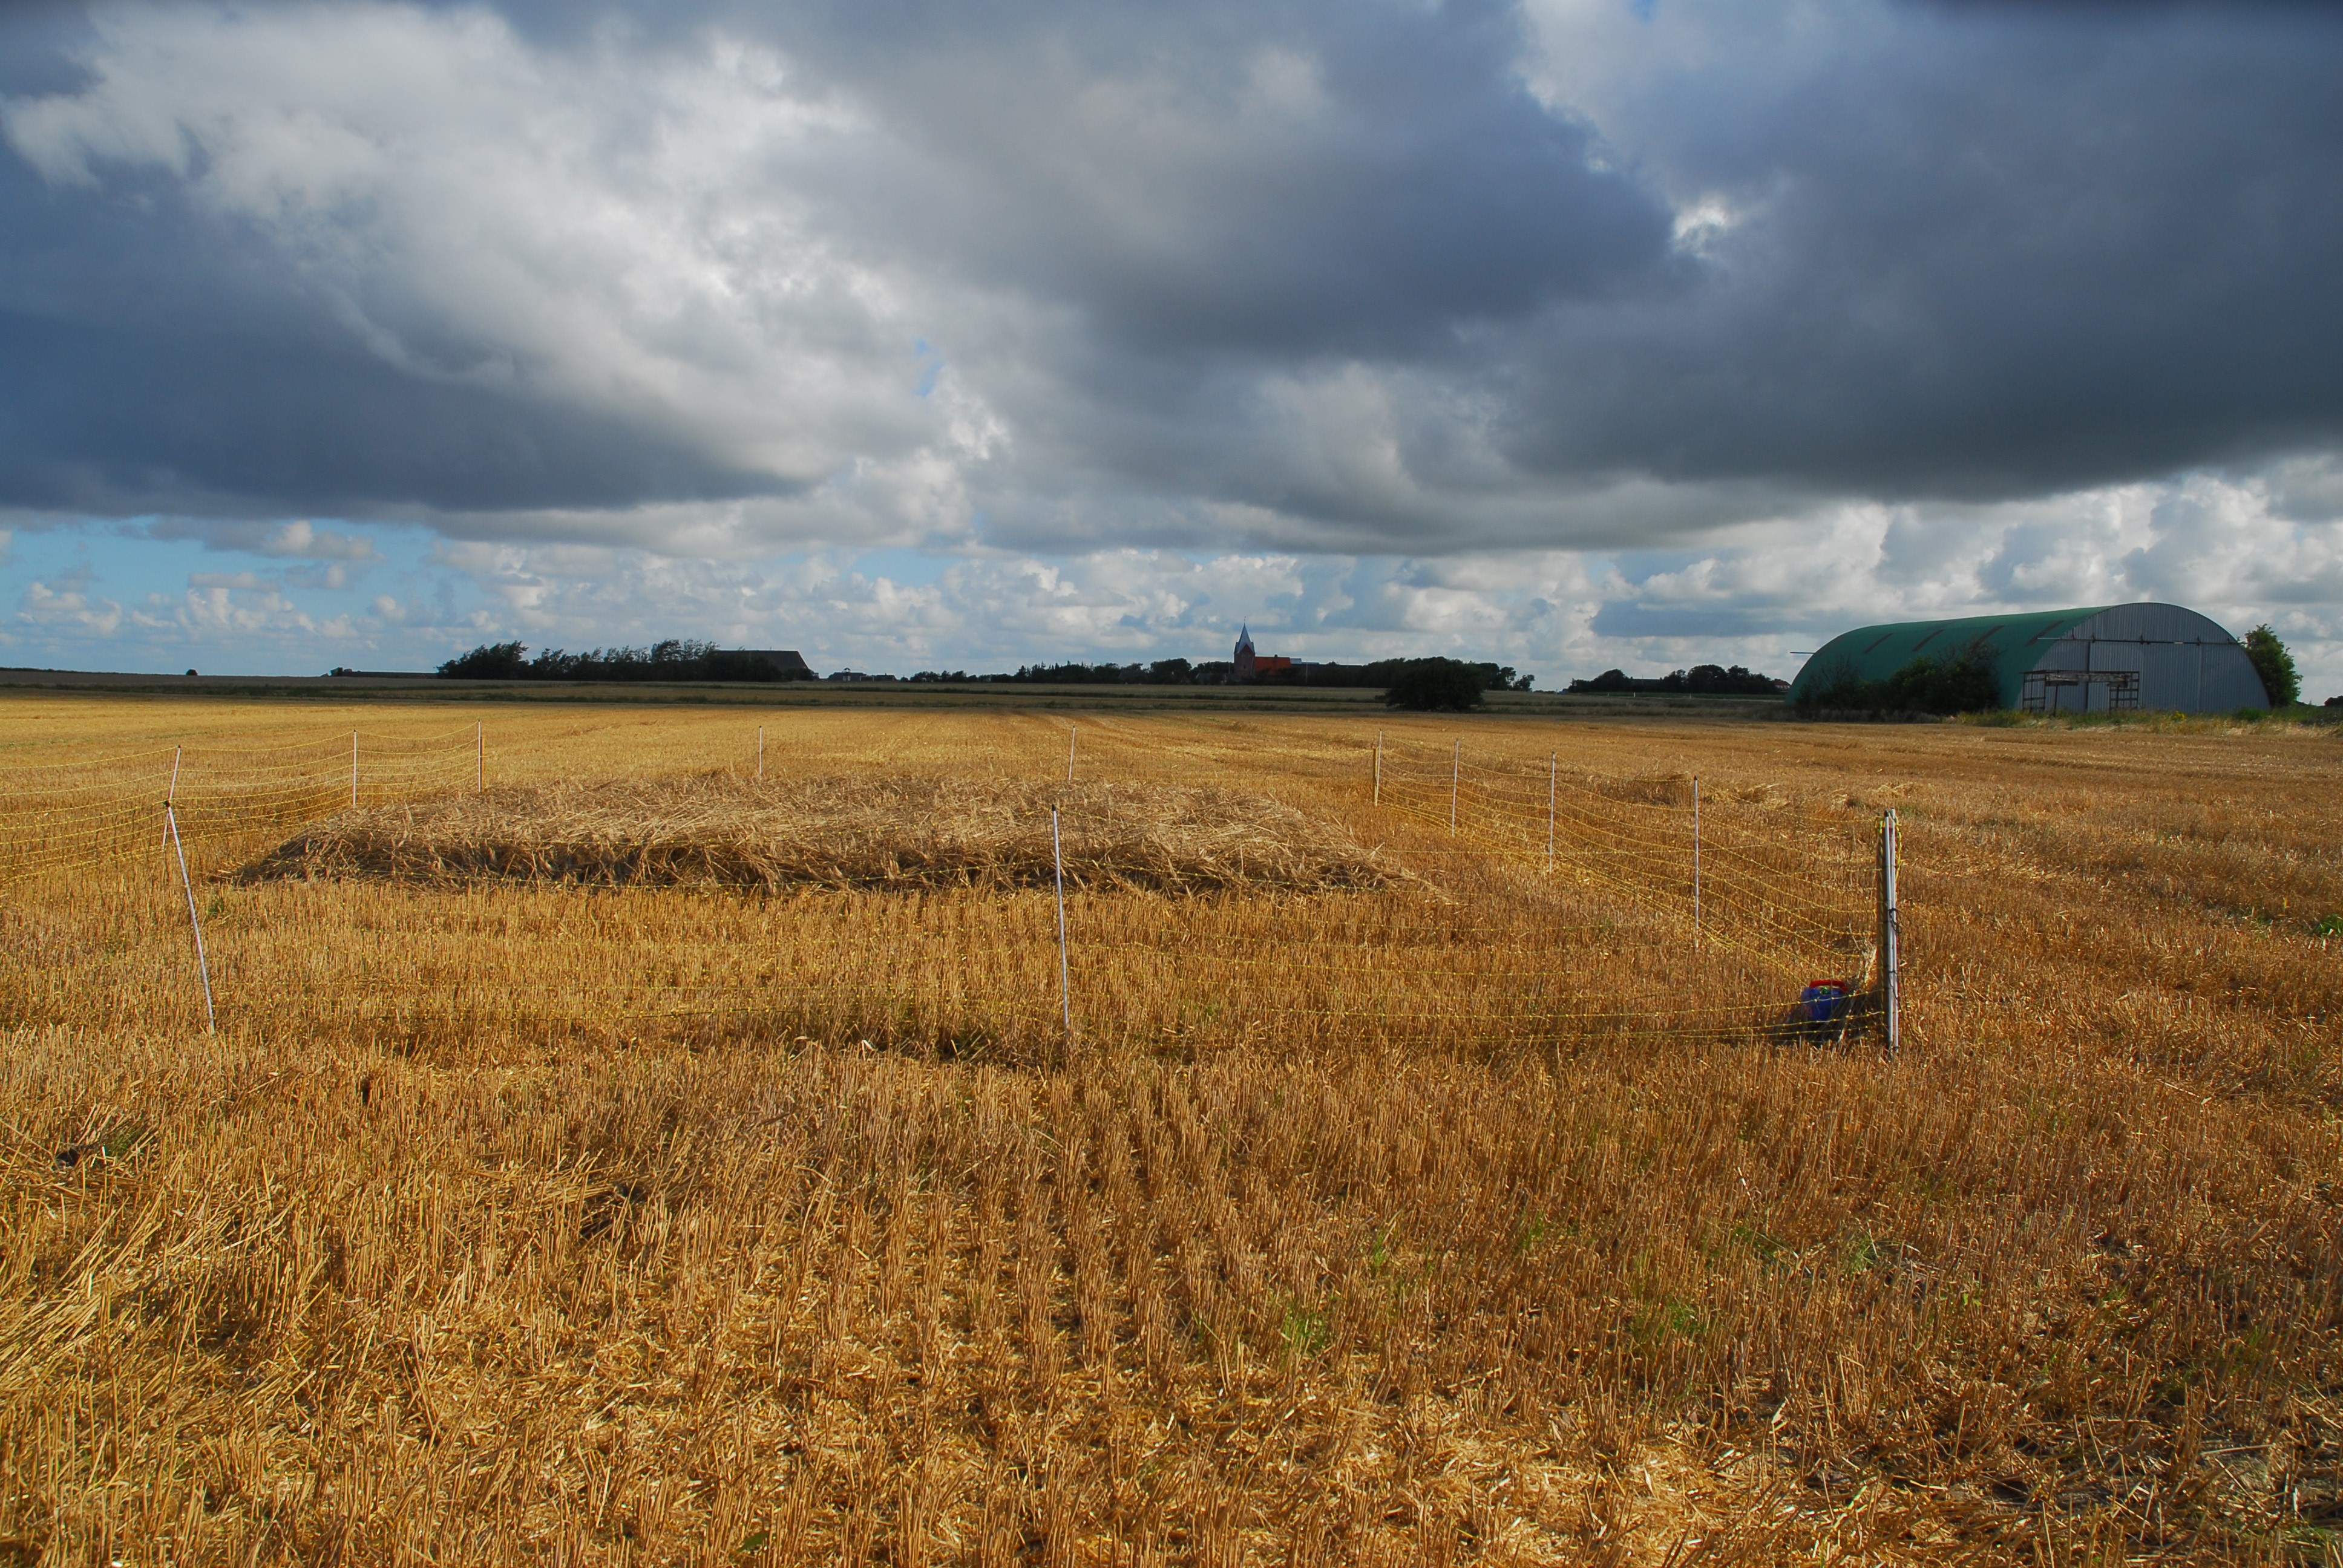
{"x": 2011, "y": 642}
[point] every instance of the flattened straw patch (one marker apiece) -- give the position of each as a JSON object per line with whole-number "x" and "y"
{"x": 906, "y": 833}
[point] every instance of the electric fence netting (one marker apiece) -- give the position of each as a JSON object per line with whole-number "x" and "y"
{"x": 1664, "y": 918}
{"x": 1164, "y": 887}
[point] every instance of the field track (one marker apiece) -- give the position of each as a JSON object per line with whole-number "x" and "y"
{"x": 1398, "y": 1194}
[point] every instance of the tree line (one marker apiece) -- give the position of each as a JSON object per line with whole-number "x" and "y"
{"x": 676, "y": 658}
{"x": 1428, "y": 683}
{"x": 1700, "y": 680}
{"x": 1220, "y": 671}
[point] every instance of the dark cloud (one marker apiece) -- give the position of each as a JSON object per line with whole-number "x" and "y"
{"x": 1293, "y": 271}
{"x": 1268, "y": 183}
{"x": 1266, "y": 180}
{"x": 40, "y": 49}
{"x": 2115, "y": 10}
{"x": 164, "y": 361}
{"x": 120, "y": 421}
{"x": 1994, "y": 256}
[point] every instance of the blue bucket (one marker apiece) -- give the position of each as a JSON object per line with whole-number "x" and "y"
{"x": 1820, "y": 1007}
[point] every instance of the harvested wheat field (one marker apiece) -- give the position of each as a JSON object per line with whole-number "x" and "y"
{"x": 616, "y": 1141}
{"x": 893, "y": 831}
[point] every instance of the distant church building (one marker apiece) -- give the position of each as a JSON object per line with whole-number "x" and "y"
{"x": 1251, "y": 664}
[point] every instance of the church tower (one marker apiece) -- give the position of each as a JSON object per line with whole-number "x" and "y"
{"x": 1244, "y": 653}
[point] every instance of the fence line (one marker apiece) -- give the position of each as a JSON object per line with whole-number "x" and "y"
{"x": 1495, "y": 933}
{"x": 1812, "y": 912}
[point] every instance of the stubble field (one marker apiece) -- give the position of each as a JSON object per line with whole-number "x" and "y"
{"x": 606, "y": 1153}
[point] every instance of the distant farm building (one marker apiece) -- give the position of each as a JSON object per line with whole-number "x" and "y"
{"x": 2099, "y": 659}
{"x": 786, "y": 662}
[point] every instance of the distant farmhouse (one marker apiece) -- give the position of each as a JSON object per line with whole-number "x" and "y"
{"x": 2097, "y": 659}
{"x": 787, "y": 663}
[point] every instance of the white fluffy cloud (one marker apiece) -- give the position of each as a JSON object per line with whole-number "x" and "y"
{"x": 235, "y": 611}
{"x": 1757, "y": 596}
{"x": 66, "y": 606}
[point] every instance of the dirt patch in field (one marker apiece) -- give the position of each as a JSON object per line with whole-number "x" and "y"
{"x": 842, "y": 832}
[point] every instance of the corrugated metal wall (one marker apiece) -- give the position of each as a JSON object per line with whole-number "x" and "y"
{"x": 2184, "y": 661}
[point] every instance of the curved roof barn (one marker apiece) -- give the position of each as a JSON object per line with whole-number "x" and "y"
{"x": 2095, "y": 659}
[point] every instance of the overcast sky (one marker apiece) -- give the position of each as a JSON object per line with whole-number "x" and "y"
{"x": 1575, "y": 333}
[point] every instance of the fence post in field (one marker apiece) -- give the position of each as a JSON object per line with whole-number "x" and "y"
{"x": 202, "y": 967}
{"x": 1065, "y": 980}
{"x": 1695, "y": 856}
{"x": 1072, "y": 731}
{"x": 1455, "y": 774}
{"x": 1552, "y": 761}
{"x": 1379, "y": 766}
{"x": 171, "y": 794}
{"x": 1890, "y": 991}
{"x": 354, "y": 769}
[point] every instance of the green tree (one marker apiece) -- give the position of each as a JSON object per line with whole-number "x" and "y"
{"x": 2274, "y": 665}
{"x": 1964, "y": 684}
{"x": 1961, "y": 683}
{"x": 1428, "y": 684}
{"x": 489, "y": 661}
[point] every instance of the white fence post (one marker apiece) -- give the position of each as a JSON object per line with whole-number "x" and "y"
{"x": 203, "y": 967}
{"x": 1891, "y": 999}
{"x": 171, "y": 794}
{"x": 1072, "y": 731}
{"x": 1065, "y": 977}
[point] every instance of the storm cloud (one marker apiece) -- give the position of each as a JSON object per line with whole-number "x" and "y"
{"x": 1358, "y": 281}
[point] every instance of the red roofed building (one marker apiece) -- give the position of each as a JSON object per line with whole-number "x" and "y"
{"x": 1251, "y": 664}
